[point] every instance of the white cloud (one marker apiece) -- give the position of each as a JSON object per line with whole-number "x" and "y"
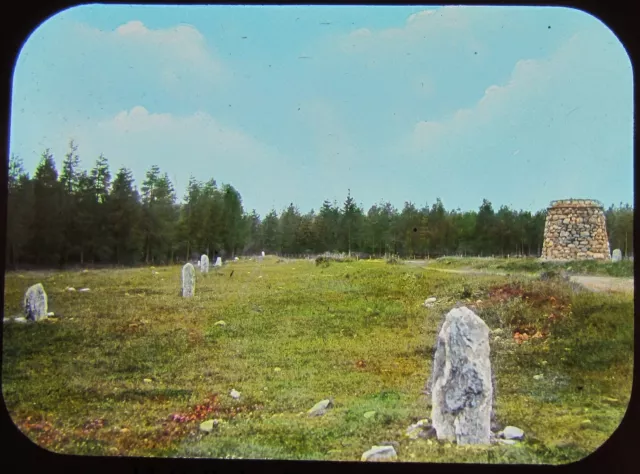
{"x": 529, "y": 79}
{"x": 177, "y": 51}
{"x": 447, "y": 25}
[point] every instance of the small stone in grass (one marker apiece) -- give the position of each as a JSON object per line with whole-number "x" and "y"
{"x": 207, "y": 426}
{"x": 320, "y": 408}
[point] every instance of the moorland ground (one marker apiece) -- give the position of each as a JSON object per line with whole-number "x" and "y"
{"x": 132, "y": 368}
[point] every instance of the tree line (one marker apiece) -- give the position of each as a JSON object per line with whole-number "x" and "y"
{"x": 89, "y": 216}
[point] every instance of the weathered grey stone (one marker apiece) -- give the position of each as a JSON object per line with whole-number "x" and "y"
{"x": 616, "y": 256}
{"x": 380, "y": 454}
{"x": 204, "y": 264}
{"x": 218, "y": 262}
{"x": 462, "y": 392}
{"x": 188, "y": 280}
{"x": 35, "y": 303}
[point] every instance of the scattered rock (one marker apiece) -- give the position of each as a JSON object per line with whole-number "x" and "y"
{"x": 277, "y": 369}
{"x": 538, "y": 377}
{"x": 208, "y": 426}
{"x": 220, "y": 323}
{"x": 20, "y": 320}
{"x": 429, "y": 302}
{"x": 380, "y": 454}
{"x": 415, "y": 430}
{"x": 370, "y": 414}
{"x": 50, "y": 313}
{"x": 234, "y": 394}
{"x": 462, "y": 383}
{"x": 506, "y": 441}
{"x": 84, "y": 290}
{"x": 321, "y": 408}
{"x": 511, "y": 432}
{"x": 147, "y": 380}
{"x": 395, "y": 444}
{"x": 70, "y": 288}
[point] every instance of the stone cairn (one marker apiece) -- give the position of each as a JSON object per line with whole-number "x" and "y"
{"x": 575, "y": 229}
{"x": 35, "y": 303}
{"x": 204, "y": 263}
{"x": 188, "y": 280}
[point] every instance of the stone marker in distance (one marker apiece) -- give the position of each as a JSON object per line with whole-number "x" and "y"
{"x": 188, "y": 280}
{"x": 616, "y": 256}
{"x": 204, "y": 263}
{"x": 35, "y": 303}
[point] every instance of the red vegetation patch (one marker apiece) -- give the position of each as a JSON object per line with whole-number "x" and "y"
{"x": 41, "y": 431}
{"x": 505, "y": 292}
{"x": 179, "y": 424}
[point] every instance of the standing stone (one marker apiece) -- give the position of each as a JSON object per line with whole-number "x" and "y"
{"x": 263, "y": 254}
{"x": 188, "y": 280}
{"x": 204, "y": 264}
{"x": 35, "y": 303}
{"x": 617, "y": 255}
{"x": 462, "y": 389}
{"x": 218, "y": 262}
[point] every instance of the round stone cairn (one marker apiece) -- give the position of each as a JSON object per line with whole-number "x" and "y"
{"x": 35, "y": 303}
{"x": 462, "y": 390}
{"x": 204, "y": 263}
{"x": 575, "y": 229}
{"x": 188, "y": 280}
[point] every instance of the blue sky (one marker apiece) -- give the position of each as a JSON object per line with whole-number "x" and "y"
{"x": 299, "y": 104}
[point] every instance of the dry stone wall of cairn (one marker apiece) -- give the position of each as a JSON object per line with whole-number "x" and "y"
{"x": 575, "y": 229}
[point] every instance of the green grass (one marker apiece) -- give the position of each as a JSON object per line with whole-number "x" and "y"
{"x": 534, "y": 265}
{"x": 295, "y": 334}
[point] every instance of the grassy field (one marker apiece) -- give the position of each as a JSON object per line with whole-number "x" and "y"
{"x": 131, "y": 368}
{"x": 534, "y": 265}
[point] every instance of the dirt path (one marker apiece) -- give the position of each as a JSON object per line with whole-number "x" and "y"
{"x": 594, "y": 283}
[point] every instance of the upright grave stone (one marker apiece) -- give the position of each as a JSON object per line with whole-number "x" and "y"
{"x": 35, "y": 303}
{"x": 204, "y": 263}
{"x": 617, "y": 255}
{"x": 188, "y": 280}
{"x": 462, "y": 390}
{"x": 218, "y": 262}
